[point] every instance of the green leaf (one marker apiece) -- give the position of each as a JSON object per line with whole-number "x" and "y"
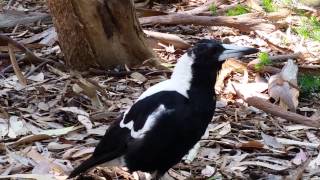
{"x": 213, "y": 9}
{"x": 238, "y": 10}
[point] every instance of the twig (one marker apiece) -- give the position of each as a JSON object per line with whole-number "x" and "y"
{"x": 276, "y": 123}
{"x": 285, "y": 57}
{"x": 297, "y": 173}
{"x": 273, "y": 46}
{"x": 10, "y": 4}
{"x": 169, "y": 39}
{"x": 277, "y": 58}
{"x": 10, "y": 66}
{"x": 244, "y": 23}
{"x": 16, "y": 68}
{"x": 6, "y": 56}
{"x": 36, "y": 68}
{"x": 30, "y": 56}
{"x": 203, "y": 8}
{"x": 126, "y": 73}
{"x": 277, "y": 111}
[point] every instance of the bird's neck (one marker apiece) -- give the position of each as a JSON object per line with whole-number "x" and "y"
{"x": 202, "y": 82}
{"x": 195, "y": 81}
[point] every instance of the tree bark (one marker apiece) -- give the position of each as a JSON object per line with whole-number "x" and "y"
{"x": 99, "y": 33}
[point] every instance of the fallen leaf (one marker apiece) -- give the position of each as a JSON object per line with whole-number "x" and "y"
{"x": 271, "y": 141}
{"x": 210, "y": 153}
{"x": 37, "y": 78}
{"x": 83, "y": 152}
{"x": 43, "y": 106}
{"x": 298, "y": 143}
{"x": 225, "y": 130}
{"x": 34, "y": 176}
{"x": 263, "y": 164}
{"x": 99, "y": 131}
{"x": 49, "y": 166}
{"x": 274, "y": 160}
{"x": 312, "y": 137}
{"x": 4, "y": 127}
{"x": 68, "y": 153}
{"x": 251, "y": 145}
{"x": 192, "y": 153}
{"x": 30, "y": 139}
{"x": 299, "y": 158}
{"x": 16, "y": 127}
{"x": 85, "y": 121}
{"x": 315, "y": 163}
{"x": 138, "y": 77}
{"x": 75, "y": 110}
{"x": 74, "y": 136}
{"x": 57, "y": 146}
{"x": 208, "y": 171}
{"x": 20, "y": 159}
{"x": 58, "y": 132}
{"x": 283, "y": 86}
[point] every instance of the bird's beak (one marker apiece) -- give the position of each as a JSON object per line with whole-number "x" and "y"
{"x": 232, "y": 51}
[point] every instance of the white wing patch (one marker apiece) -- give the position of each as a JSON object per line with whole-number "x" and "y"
{"x": 151, "y": 120}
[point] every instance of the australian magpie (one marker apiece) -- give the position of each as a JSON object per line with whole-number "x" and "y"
{"x": 169, "y": 118}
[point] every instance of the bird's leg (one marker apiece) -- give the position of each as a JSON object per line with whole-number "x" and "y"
{"x": 141, "y": 175}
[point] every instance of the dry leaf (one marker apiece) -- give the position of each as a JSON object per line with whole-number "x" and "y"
{"x": 30, "y": 139}
{"x": 43, "y": 106}
{"x": 34, "y": 176}
{"x": 83, "y": 152}
{"x": 75, "y": 110}
{"x": 58, "y": 132}
{"x": 299, "y": 158}
{"x": 68, "y": 154}
{"x": 4, "y": 127}
{"x": 99, "y": 131}
{"x": 85, "y": 121}
{"x": 37, "y": 78}
{"x": 315, "y": 163}
{"x": 208, "y": 171}
{"x": 250, "y": 145}
{"x": 53, "y": 146}
{"x": 263, "y": 164}
{"x": 210, "y": 153}
{"x": 312, "y": 137}
{"x": 16, "y": 127}
{"x": 282, "y": 86}
{"x": 50, "y": 167}
{"x": 192, "y": 153}
{"x": 225, "y": 130}
{"x": 271, "y": 141}
{"x": 138, "y": 77}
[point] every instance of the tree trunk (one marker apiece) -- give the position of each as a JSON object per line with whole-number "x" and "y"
{"x": 99, "y": 33}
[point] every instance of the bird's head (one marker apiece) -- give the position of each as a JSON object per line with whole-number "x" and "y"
{"x": 203, "y": 61}
{"x": 208, "y": 53}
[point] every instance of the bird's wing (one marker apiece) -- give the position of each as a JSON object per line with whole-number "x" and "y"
{"x": 129, "y": 130}
{"x": 111, "y": 146}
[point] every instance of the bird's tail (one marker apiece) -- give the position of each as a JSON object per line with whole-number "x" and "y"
{"x": 94, "y": 161}
{"x": 86, "y": 165}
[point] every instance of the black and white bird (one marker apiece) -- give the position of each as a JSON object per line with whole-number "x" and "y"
{"x": 169, "y": 118}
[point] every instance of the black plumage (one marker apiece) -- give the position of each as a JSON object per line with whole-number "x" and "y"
{"x": 169, "y": 118}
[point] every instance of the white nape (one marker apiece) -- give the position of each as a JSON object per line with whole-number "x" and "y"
{"x": 180, "y": 79}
